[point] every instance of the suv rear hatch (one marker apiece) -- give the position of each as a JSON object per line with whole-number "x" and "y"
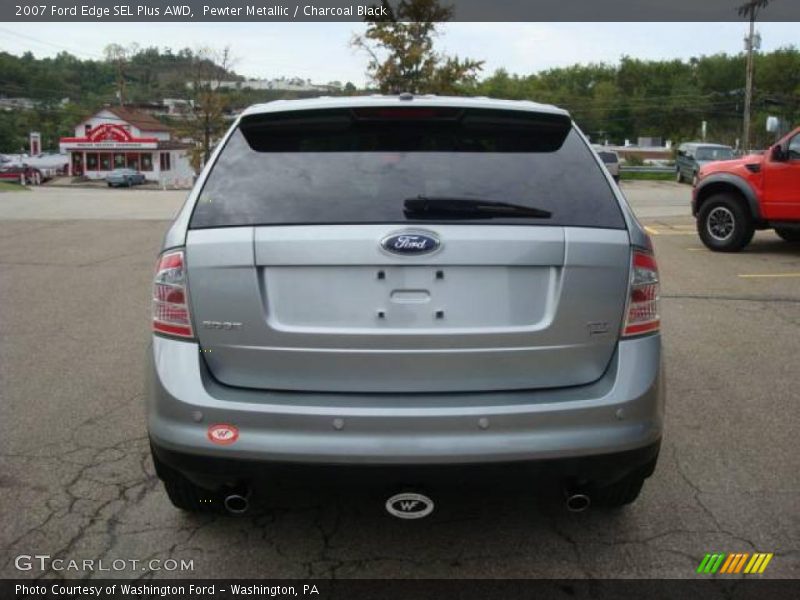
{"x": 297, "y": 281}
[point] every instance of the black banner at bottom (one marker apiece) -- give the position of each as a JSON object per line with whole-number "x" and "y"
{"x": 401, "y": 589}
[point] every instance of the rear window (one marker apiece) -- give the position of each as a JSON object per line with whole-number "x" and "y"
{"x": 608, "y": 157}
{"x": 713, "y": 153}
{"x": 360, "y": 165}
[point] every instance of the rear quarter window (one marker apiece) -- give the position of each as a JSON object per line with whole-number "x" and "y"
{"x": 339, "y": 167}
{"x": 608, "y": 157}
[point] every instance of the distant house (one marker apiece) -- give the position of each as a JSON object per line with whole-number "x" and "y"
{"x": 14, "y": 104}
{"x": 649, "y": 142}
{"x": 281, "y": 84}
{"x": 120, "y": 137}
{"x": 178, "y": 108}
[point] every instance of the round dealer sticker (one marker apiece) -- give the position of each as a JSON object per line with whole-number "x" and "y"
{"x": 223, "y": 434}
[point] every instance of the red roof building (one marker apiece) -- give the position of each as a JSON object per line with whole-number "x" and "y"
{"x": 123, "y": 138}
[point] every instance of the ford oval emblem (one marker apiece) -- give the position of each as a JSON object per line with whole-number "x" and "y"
{"x": 411, "y": 242}
{"x": 409, "y": 506}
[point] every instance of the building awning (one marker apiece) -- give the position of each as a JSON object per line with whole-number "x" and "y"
{"x": 108, "y": 137}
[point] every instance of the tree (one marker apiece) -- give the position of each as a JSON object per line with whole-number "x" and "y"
{"x": 120, "y": 56}
{"x": 401, "y": 53}
{"x": 209, "y": 68}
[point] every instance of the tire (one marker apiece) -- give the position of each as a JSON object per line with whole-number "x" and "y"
{"x": 110, "y": 184}
{"x": 184, "y": 494}
{"x": 724, "y": 224}
{"x": 619, "y": 494}
{"x": 790, "y": 235}
{"x": 678, "y": 176}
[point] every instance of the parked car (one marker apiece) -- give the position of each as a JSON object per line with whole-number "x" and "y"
{"x": 610, "y": 159}
{"x": 14, "y": 172}
{"x": 50, "y": 165}
{"x": 404, "y": 282}
{"x": 692, "y": 156}
{"x": 126, "y": 177}
{"x": 733, "y": 199}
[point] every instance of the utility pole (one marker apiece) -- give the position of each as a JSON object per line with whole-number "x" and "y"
{"x": 748, "y": 84}
{"x": 752, "y": 42}
{"x": 120, "y": 82}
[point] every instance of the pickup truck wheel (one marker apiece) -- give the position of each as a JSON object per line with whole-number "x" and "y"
{"x": 790, "y": 235}
{"x": 724, "y": 225}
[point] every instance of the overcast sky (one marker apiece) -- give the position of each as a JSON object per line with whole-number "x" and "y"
{"x": 321, "y": 51}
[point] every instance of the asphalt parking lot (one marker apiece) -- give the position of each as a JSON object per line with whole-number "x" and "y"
{"x": 77, "y": 482}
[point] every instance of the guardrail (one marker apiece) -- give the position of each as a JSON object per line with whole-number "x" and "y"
{"x": 646, "y": 169}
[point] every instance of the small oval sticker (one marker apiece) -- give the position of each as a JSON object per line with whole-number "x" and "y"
{"x": 409, "y": 506}
{"x": 223, "y": 433}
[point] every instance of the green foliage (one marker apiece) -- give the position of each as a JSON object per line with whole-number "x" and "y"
{"x": 634, "y": 160}
{"x": 667, "y": 99}
{"x": 12, "y": 187}
{"x": 67, "y": 89}
{"x": 402, "y": 55}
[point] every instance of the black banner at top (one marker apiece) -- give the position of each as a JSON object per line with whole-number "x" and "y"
{"x": 359, "y": 10}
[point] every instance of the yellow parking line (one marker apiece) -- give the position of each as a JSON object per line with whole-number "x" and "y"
{"x": 650, "y": 230}
{"x": 765, "y": 275}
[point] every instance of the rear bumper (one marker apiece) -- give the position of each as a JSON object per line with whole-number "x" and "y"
{"x": 601, "y": 469}
{"x": 620, "y": 412}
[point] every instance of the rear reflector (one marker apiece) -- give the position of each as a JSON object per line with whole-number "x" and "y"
{"x": 170, "y": 300}
{"x": 641, "y": 315}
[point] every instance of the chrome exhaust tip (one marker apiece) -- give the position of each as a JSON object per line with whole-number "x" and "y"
{"x": 577, "y": 502}
{"x": 237, "y": 504}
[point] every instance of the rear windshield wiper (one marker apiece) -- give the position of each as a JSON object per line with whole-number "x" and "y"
{"x": 430, "y": 207}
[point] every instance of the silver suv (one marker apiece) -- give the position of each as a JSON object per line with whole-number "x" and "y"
{"x": 404, "y": 281}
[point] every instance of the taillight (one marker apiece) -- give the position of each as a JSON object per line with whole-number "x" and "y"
{"x": 170, "y": 298}
{"x": 641, "y": 315}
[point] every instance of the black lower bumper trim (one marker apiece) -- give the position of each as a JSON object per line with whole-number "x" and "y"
{"x": 213, "y": 472}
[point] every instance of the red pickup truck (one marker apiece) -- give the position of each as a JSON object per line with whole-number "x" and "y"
{"x": 733, "y": 198}
{"x": 15, "y": 172}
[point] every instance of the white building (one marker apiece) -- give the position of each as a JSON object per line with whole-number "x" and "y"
{"x": 119, "y": 137}
{"x": 281, "y": 84}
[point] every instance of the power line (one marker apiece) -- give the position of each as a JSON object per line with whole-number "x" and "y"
{"x": 51, "y": 44}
